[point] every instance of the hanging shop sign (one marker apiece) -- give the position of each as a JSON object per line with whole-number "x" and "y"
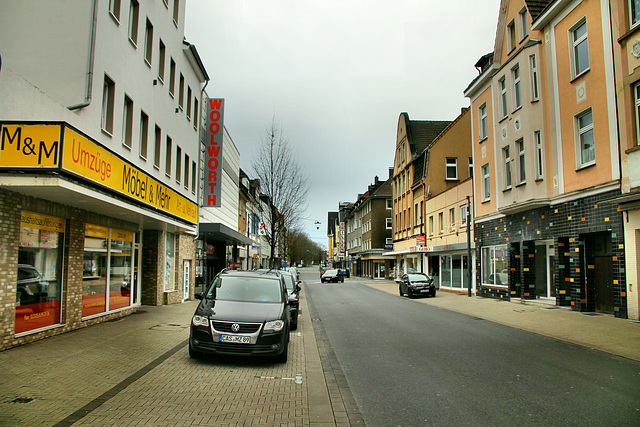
{"x": 213, "y": 156}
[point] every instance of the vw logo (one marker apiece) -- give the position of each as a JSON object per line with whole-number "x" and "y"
{"x": 235, "y": 327}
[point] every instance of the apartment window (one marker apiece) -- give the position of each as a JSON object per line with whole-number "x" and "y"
{"x": 636, "y": 94}
{"x": 634, "y": 12}
{"x": 195, "y": 113}
{"x": 389, "y": 241}
{"x": 181, "y": 93}
{"x": 517, "y": 94}
{"x": 533, "y": 67}
{"x": 127, "y": 121}
{"x": 463, "y": 215}
{"x": 486, "y": 183}
{"x": 431, "y": 225}
{"x": 114, "y": 9}
{"x": 471, "y": 167}
{"x": 482, "y": 125}
{"x": 586, "y": 143}
{"x": 144, "y": 134}
{"x": 506, "y": 157}
{"x": 452, "y": 168}
{"x": 580, "y": 51}
{"x": 522, "y": 173}
{"x": 172, "y": 77}
{"x": 193, "y": 177}
{"x": 504, "y": 106}
{"x": 389, "y": 223}
{"x": 537, "y": 137}
{"x": 523, "y": 23}
{"x": 108, "y": 99}
{"x": 134, "y": 12}
{"x": 178, "y": 164}
{"x": 452, "y": 218}
{"x": 148, "y": 43}
{"x": 189, "y": 94}
{"x": 511, "y": 36}
{"x": 186, "y": 171}
{"x": 157, "y": 148}
{"x": 176, "y": 11}
{"x": 167, "y": 155}
{"x": 389, "y": 204}
{"x": 162, "y": 51}
{"x": 441, "y": 221}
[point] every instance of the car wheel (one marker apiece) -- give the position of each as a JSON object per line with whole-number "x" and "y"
{"x": 294, "y": 325}
{"x": 282, "y": 357}
{"x": 400, "y": 291}
{"x": 194, "y": 354}
{"x": 409, "y": 293}
{"x": 342, "y": 280}
{"x": 432, "y": 293}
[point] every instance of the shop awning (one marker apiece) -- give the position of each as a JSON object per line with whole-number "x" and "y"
{"x": 216, "y": 231}
{"x": 404, "y": 251}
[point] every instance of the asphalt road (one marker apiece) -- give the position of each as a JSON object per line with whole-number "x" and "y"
{"x": 409, "y": 364}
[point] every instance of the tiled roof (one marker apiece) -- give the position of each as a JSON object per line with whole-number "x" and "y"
{"x": 384, "y": 190}
{"x": 422, "y": 132}
{"x": 536, "y": 7}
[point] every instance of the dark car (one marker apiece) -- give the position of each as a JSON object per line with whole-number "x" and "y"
{"x": 414, "y": 284}
{"x": 293, "y": 289}
{"x": 334, "y": 275}
{"x": 243, "y": 313}
{"x": 346, "y": 272}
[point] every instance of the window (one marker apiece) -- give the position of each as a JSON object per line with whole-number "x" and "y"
{"x": 144, "y": 134}
{"x": 586, "y": 144}
{"x": 148, "y": 43}
{"x": 161, "y": 60}
{"x": 452, "y": 218}
{"x": 533, "y": 67}
{"x": 463, "y": 215}
{"x": 189, "y": 103}
{"x": 452, "y": 168}
{"x": 178, "y": 164}
{"x": 114, "y": 9}
{"x": 636, "y": 95}
{"x": 441, "y": 221}
{"x": 504, "y": 106}
{"x": 167, "y": 155}
{"x": 172, "y": 77}
{"x": 431, "y": 225}
{"x": 486, "y": 183}
{"x": 127, "y": 122}
{"x": 195, "y": 113}
{"x": 108, "y": 99}
{"x": 511, "y": 36}
{"x": 134, "y": 12}
{"x": 482, "y": 125}
{"x": 580, "y": 51}
{"x": 169, "y": 262}
{"x": 389, "y": 223}
{"x": 471, "y": 167}
{"x": 522, "y": 173}
{"x": 517, "y": 95}
{"x": 193, "y": 177}
{"x": 506, "y": 156}
{"x": 186, "y": 171}
{"x": 634, "y": 12}
{"x": 537, "y": 137}
{"x": 176, "y": 11}
{"x": 389, "y": 204}
{"x": 495, "y": 265}
{"x": 181, "y": 93}
{"x": 523, "y": 23}
{"x": 157, "y": 148}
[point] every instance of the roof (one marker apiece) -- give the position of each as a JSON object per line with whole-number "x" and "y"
{"x": 421, "y": 133}
{"x": 385, "y": 190}
{"x": 536, "y": 7}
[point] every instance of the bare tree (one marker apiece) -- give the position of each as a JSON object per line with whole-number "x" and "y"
{"x": 282, "y": 183}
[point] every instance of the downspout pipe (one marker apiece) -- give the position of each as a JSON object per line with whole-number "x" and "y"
{"x": 92, "y": 53}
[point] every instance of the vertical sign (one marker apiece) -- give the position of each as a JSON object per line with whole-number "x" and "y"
{"x": 342, "y": 238}
{"x": 213, "y": 153}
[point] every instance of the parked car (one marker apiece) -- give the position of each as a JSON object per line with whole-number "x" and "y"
{"x": 293, "y": 289}
{"x": 414, "y": 284}
{"x": 346, "y": 272}
{"x": 333, "y": 275}
{"x": 242, "y": 313}
{"x": 295, "y": 272}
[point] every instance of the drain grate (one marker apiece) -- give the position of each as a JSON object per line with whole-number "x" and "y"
{"x": 22, "y": 400}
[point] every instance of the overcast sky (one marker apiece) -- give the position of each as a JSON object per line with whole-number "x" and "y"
{"x": 336, "y": 75}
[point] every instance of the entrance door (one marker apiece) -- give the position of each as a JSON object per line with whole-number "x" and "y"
{"x": 186, "y": 279}
{"x": 604, "y": 287}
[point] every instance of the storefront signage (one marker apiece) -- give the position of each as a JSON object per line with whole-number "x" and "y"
{"x": 41, "y": 222}
{"x": 213, "y": 155}
{"x": 29, "y": 146}
{"x": 342, "y": 239}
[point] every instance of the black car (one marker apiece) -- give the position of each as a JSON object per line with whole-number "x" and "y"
{"x": 346, "y": 272}
{"x": 334, "y": 275}
{"x": 293, "y": 289}
{"x": 414, "y": 284}
{"x": 243, "y": 313}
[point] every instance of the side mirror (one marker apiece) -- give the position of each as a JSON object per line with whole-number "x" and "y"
{"x": 398, "y": 281}
{"x": 198, "y": 295}
{"x": 298, "y": 288}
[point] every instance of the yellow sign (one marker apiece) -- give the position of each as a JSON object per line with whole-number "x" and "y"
{"x": 126, "y": 236}
{"x": 87, "y": 159}
{"x": 41, "y": 222}
{"x": 91, "y": 230}
{"x": 31, "y": 146}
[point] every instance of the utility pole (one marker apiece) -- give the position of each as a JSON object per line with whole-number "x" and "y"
{"x": 469, "y": 245}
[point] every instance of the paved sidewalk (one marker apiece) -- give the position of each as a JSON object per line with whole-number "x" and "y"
{"x": 137, "y": 371}
{"x": 606, "y": 333}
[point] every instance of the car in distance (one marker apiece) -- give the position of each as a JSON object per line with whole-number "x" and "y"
{"x": 414, "y": 284}
{"x": 333, "y": 275}
{"x": 323, "y": 269}
{"x": 346, "y": 272}
{"x": 242, "y": 313}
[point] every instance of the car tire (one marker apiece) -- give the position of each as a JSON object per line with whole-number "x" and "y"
{"x": 409, "y": 293}
{"x": 282, "y": 357}
{"x": 400, "y": 291}
{"x": 432, "y": 294}
{"x": 294, "y": 325}
{"x": 342, "y": 280}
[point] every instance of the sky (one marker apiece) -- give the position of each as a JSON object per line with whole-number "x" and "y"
{"x": 336, "y": 75}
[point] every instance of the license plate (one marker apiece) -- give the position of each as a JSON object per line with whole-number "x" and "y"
{"x": 424, "y": 290}
{"x": 235, "y": 339}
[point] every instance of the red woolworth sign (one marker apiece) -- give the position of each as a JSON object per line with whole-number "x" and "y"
{"x": 213, "y": 155}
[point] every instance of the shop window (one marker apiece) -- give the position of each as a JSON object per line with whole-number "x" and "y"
{"x": 39, "y": 284}
{"x": 495, "y": 262}
{"x": 120, "y": 257}
{"x": 169, "y": 276}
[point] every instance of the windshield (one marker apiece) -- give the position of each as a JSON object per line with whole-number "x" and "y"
{"x": 248, "y": 289}
{"x": 418, "y": 277}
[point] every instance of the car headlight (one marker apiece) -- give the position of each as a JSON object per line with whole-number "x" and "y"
{"x": 274, "y": 326}
{"x": 200, "y": 321}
